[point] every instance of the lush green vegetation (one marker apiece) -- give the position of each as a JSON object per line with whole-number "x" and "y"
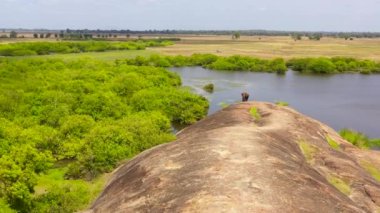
{"x": 246, "y": 63}
{"x": 46, "y": 48}
{"x": 333, "y": 65}
{"x": 64, "y": 123}
{"x": 210, "y": 61}
{"x": 359, "y": 139}
{"x": 232, "y": 63}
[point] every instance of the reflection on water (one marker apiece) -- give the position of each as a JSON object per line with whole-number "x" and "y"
{"x": 341, "y": 101}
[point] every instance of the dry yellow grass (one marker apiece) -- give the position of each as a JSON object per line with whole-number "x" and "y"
{"x": 278, "y": 46}
{"x": 259, "y": 46}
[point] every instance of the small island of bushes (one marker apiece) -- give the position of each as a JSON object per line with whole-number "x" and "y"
{"x": 245, "y": 63}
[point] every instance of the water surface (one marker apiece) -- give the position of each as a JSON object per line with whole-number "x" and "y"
{"x": 341, "y": 101}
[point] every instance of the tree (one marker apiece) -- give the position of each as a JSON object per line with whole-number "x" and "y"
{"x": 35, "y": 35}
{"x": 13, "y": 34}
{"x": 316, "y": 37}
{"x": 41, "y": 35}
{"x": 18, "y": 174}
{"x": 62, "y": 34}
{"x": 321, "y": 65}
{"x": 296, "y": 36}
{"x": 236, "y": 35}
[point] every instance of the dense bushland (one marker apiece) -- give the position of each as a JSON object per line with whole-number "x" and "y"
{"x": 45, "y": 48}
{"x": 76, "y": 120}
{"x": 210, "y": 61}
{"x": 333, "y": 65}
{"x": 246, "y": 63}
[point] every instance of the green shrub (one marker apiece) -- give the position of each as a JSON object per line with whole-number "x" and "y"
{"x": 222, "y": 64}
{"x": 232, "y": 63}
{"x": 299, "y": 64}
{"x": 5, "y": 208}
{"x": 333, "y": 65}
{"x": 356, "y": 138}
{"x": 62, "y": 198}
{"x": 255, "y": 113}
{"x": 202, "y": 59}
{"x": 321, "y": 65}
{"x": 180, "y": 106}
{"x": 278, "y": 65}
{"x": 179, "y": 61}
{"x": 209, "y": 88}
{"x": 359, "y": 139}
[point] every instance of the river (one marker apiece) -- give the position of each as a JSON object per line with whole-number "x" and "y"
{"x": 341, "y": 100}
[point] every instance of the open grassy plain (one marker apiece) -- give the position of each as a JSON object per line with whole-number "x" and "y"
{"x": 105, "y": 56}
{"x": 276, "y": 46}
{"x": 257, "y": 46}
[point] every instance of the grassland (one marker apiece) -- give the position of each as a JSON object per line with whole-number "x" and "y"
{"x": 278, "y": 46}
{"x": 258, "y": 46}
{"x": 105, "y": 56}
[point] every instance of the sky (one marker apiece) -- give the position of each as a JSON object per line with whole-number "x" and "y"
{"x": 299, "y": 15}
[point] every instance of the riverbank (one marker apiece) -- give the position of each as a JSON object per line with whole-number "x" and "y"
{"x": 341, "y": 101}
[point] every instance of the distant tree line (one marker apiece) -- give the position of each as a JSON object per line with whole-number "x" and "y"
{"x": 80, "y": 33}
{"x": 241, "y": 32}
